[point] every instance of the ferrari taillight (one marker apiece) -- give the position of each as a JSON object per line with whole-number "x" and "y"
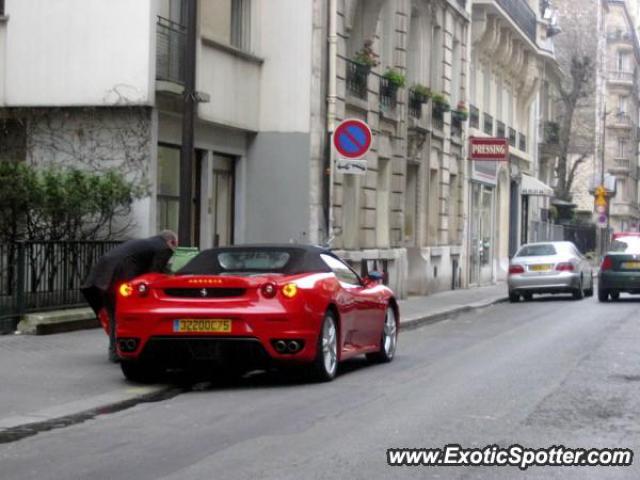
{"x": 290, "y": 290}
{"x": 269, "y": 290}
{"x": 125, "y": 290}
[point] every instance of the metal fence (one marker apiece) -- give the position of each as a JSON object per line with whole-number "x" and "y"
{"x": 38, "y": 276}
{"x": 545, "y": 232}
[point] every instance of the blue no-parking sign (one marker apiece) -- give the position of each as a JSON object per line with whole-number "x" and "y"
{"x": 352, "y": 138}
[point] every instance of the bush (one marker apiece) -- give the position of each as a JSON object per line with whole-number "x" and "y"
{"x": 63, "y": 204}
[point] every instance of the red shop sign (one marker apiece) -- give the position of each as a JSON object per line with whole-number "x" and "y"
{"x": 485, "y": 148}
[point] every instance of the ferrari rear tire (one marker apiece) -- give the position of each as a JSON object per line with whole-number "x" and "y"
{"x": 388, "y": 339}
{"x": 139, "y": 371}
{"x": 325, "y": 365}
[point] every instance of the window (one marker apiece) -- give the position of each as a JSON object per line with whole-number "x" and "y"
{"x": 382, "y": 201}
{"x": 168, "y": 197}
{"x": 486, "y": 86}
{"x": 433, "y": 219}
{"x": 622, "y": 104}
{"x": 1, "y": 8}
{"x": 621, "y": 62}
{"x": 343, "y": 272}
{"x": 622, "y": 147}
{"x": 241, "y": 24}
{"x": 536, "y": 251}
{"x": 253, "y": 260}
{"x": 388, "y": 33}
{"x": 410, "y": 205}
{"x": 227, "y": 21}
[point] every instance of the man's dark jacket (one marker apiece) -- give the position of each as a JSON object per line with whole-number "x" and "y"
{"x": 126, "y": 261}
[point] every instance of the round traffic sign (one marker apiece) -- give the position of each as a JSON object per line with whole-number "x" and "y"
{"x": 352, "y": 138}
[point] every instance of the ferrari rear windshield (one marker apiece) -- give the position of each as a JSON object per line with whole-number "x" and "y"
{"x": 253, "y": 260}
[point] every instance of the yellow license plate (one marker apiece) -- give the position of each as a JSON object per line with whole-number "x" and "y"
{"x": 213, "y": 325}
{"x": 539, "y": 268}
{"x": 631, "y": 265}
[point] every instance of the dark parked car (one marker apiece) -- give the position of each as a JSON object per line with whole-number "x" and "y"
{"x": 620, "y": 269}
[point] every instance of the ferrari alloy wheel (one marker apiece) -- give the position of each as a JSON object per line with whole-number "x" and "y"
{"x": 139, "y": 372}
{"x": 388, "y": 341}
{"x": 326, "y": 362}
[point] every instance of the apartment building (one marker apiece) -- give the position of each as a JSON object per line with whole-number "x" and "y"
{"x": 406, "y": 215}
{"x": 512, "y": 59}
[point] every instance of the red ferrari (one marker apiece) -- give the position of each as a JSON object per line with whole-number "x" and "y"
{"x": 247, "y": 306}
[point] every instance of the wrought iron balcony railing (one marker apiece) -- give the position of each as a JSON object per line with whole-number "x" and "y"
{"x": 622, "y": 162}
{"x": 512, "y": 137}
{"x": 388, "y": 94}
{"x": 171, "y": 37}
{"x": 522, "y": 15}
{"x": 474, "y": 117}
{"x": 415, "y": 104}
{"x": 501, "y": 129}
{"x": 357, "y": 79}
{"x": 522, "y": 142}
{"x": 488, "y": 124}
{"x": 620, "y": 76}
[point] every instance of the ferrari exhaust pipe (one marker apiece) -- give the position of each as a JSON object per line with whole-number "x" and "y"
{"x": 293, "y": 346}
{"x": 280, "y": 346}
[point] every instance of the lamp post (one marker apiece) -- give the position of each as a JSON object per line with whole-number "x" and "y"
{"x": 188, "y": 119}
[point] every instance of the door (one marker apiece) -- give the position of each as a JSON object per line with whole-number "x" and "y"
{"x": 482, "y": 234}
{"x": 350, "y": 303}
{"x": 223, "y": 200}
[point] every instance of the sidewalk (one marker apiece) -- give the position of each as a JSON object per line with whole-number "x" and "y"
{"x": 62, "y": 375}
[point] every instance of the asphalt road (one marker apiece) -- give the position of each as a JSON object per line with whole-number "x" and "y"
{"x": 538, "y": 374}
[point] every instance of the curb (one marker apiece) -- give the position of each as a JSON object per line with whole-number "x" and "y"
{"x": 16, "y": 428}
{"x": 417, "y": 322}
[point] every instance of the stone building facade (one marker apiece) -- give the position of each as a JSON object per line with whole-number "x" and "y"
{"x": 406, "y": 215}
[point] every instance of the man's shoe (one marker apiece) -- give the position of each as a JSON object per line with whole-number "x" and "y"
{"x": 113, "y": 356}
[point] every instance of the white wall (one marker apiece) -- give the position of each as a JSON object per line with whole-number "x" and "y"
{"x": 79, "y": 52}
{"x": 233, "y": 82}
{"x": 284, "y": 41}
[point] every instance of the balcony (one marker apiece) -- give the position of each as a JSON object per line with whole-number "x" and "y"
{"x": 488, "y": 124}
{"x": 415, "y": 104}
{"x": 622, "y": 163}
{"x": 621, "y": 120}
{"x": 171, "y": 37}
{"x": 437, "y": 117}
{"x": 619, "y": 36}
{"x": 357, "y": 79}
{"x": 522, "y": 15}
{"x": 501, "y": 129}
{"x": 512, "y": 137}
{"x": 388, "y": 94}
{"x": 456, "y": 125}
{"x": 522, "y": 142}
{"x": 620, "y": 76}
{"x": 474, "y": 117}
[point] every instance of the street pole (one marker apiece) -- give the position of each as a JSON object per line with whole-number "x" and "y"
{"x": 601, "y": 231}
{"x": 188, "y": 120}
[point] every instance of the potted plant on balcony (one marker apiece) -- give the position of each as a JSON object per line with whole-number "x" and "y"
{"x": 440, "y": 103}
{"x": 421, "y": 93}
{"x": 461, "y": 112}
{"x": 366, "y": 58}
{"x": 395, "y": 80}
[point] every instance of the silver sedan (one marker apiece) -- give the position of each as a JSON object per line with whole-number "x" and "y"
{"x": 549, "y": 267}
